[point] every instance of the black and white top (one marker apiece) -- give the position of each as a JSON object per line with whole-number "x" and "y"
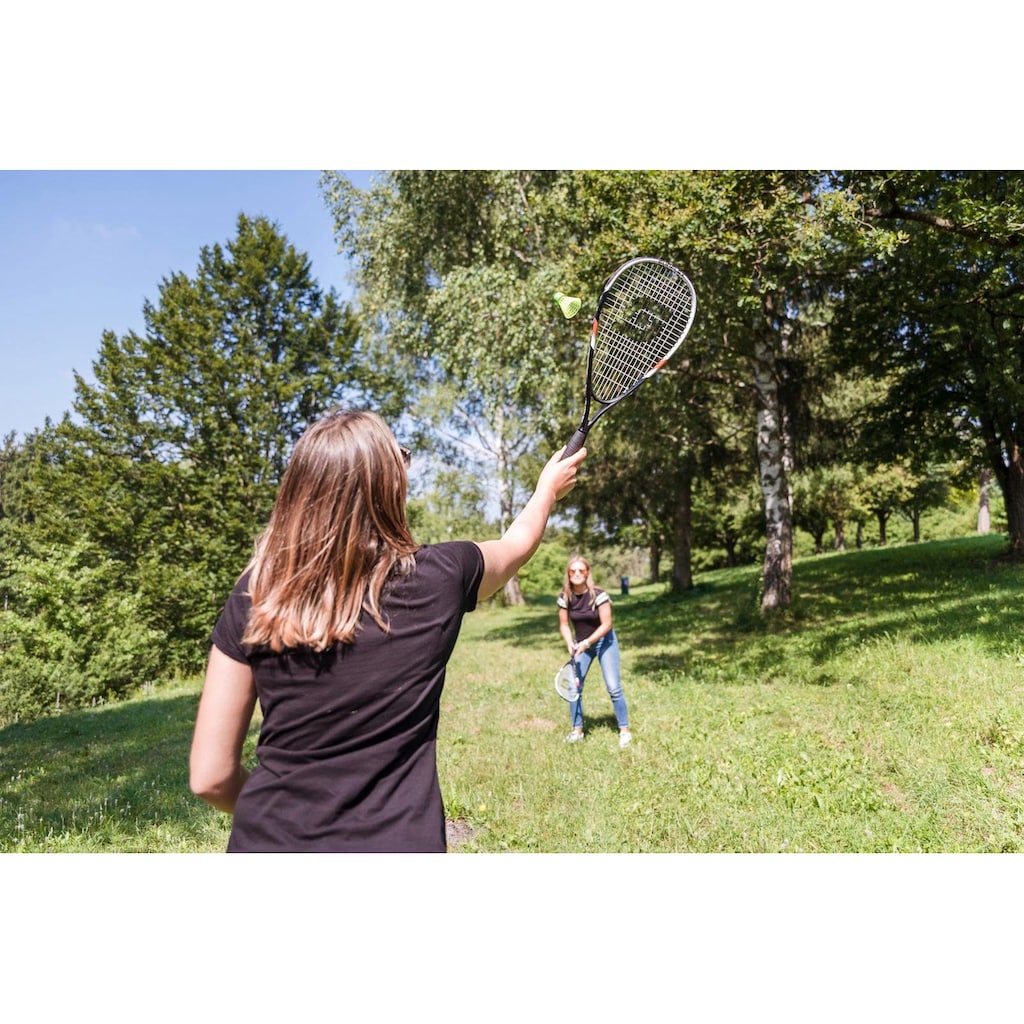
{"x": 346, "y": 751}
{"x": 584, "y": 616}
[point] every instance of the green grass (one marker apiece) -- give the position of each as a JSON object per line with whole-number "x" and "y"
{"x": 112, "y": 779}
{"x": 884, "y": 714}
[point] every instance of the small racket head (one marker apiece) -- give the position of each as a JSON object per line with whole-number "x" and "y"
{"x": 643, "y": 314}
{"x": 567, "y": 683}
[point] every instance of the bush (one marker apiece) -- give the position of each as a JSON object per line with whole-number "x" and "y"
{"x": 73, "y": 635}
{"x": 541, "y": 577}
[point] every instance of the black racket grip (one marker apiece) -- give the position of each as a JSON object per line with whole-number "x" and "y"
{"x": 575, "y": 444}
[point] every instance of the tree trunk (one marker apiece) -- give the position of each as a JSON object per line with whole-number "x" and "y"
{"x": 1007, "y": 462}
{"x": 840, "y": 535}
{"x": 511, "y": 593}
{"x": 730, "y": 553}
{"x": 883, "y": 518}
{"x": 682, "y": 567}
{"x": 778, "y": 506}
{"x": 655, "y": 560}
{"x": 1013, "y": 498}
{"x": 984, "y": 513}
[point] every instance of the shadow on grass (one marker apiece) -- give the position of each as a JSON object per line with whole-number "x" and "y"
{"x": 929, "y": 593}
{"x": 118, "y": 771}
{"x": 935, "y": 592}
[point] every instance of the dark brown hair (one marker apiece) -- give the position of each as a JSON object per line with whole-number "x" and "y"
{"x": 337, "y": 533}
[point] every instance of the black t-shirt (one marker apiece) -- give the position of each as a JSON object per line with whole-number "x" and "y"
{"x": 346, "y": 751}
{"x": 583, "y": 615}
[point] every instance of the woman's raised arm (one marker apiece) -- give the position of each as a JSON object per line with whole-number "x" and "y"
{"x": 505, "y": 557}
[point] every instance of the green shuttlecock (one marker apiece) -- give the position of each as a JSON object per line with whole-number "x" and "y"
{"x": 569, "y": 306}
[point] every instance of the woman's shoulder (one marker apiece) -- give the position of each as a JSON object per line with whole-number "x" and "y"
{"x": 460, "y": 559}
{"x": 449, "y": 551}
{"x": 601, "y": 597}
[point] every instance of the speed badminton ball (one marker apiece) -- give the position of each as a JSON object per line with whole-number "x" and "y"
{"x": 568, "y": 305}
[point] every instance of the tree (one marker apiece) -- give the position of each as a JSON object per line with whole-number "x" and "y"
{"x": 944, "y": 315}
{"x": 885, "y": 489}
{"x": 170, "y": 468}
{"x": 189, "y": 426}
{"x": 929, "y": 488}
{"x": 729, "y": 516}
{"x": 680, "y": 423}
{"x": 769, "y": 251}
{"x": 455, "y": 278}
{"x": 452, "y": 507}
{"x": 984, "y": 507}
{"x": 812, "y": 507}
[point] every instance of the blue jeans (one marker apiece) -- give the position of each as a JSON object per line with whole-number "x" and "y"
{"x": 606, "y": 651}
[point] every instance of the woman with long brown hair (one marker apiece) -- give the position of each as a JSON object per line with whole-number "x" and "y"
{"x": 341, "y": 626}
{"x": 585, "y": 622}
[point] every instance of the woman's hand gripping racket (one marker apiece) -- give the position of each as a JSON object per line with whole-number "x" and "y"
{"x": 643, "y": 314}
{"x": 567, "y": 681}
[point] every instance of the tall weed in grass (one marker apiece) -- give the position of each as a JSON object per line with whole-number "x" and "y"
{"x": 112, "y": 779}
{"x": 884, "y": 713}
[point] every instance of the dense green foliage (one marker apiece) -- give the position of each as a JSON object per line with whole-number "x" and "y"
{"x": 125, "y": 527}
{"x": 786, "y": 262}
{"x": 886, "y": 714}
{"x": 456, "y": 272}
{"x": 941, "y": 321}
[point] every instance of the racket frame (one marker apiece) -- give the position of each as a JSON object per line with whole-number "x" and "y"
{"x": 586, "y": 421}
{"x": 571, "y": 695}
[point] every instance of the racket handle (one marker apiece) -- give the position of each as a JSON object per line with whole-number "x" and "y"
{"x": 575, "y": 444}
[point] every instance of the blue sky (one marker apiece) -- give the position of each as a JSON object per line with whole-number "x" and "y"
{"x": 80, "y": 251}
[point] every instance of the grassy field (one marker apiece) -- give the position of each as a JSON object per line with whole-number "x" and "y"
{"x": 886, "y": 714}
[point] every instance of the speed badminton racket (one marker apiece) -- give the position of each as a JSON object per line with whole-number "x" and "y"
{"x": 567, "y": 681}
{"x": 644, "y": 311}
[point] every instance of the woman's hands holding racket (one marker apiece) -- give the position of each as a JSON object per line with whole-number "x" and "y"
{"x": 559, "y": 475}
{"x": 503, "y": 558}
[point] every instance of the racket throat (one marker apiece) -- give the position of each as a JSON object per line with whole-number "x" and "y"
{"x": 576, "y": 442}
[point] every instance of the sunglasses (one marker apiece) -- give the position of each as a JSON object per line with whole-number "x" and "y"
{"x": 577, "y": 572}
{"x": 406, "y": 455}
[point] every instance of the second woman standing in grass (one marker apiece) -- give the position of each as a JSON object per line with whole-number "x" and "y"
{"x": 585, "y": 622}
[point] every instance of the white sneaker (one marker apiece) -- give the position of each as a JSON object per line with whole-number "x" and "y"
{"x": 625, "y": 738}
{"x": 574, "y": 737}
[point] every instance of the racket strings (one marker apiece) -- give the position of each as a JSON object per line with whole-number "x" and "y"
{"x": 641, "y": 321}
{"x": 567, "y": 683}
